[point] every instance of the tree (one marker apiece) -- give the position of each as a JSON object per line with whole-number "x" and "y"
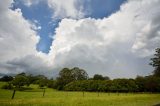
{"x": 152, "y": 83}
{"x": 98, "y": 77}
{"x": 67, "y": 75}
{"x": 31, "y": 79}
{"x": 79, "y": 74}
{"x": 43, "y": 82}
{"x": 106, "y": 78}
{"x": 51, "y": 83}
{"x": 39, "y": 79}
{"x": 140, "y": 81}
{"x": 20, "y": 80}
{"x": 6, "y": 78}
{"x": 155, "y": 62}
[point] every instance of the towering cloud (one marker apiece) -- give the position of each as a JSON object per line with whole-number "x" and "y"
{"x": 118, "y": 46}
{"x": 18, "y": 40}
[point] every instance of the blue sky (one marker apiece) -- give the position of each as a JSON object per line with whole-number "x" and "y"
{"x": 97, "y": 9}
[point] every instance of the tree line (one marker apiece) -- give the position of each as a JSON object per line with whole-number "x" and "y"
{"x": 77, "y": 79}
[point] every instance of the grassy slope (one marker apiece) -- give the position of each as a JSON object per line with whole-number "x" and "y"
{"x": 58, "y": 98}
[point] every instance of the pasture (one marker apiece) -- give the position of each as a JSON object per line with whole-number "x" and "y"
{"x": 34, "y": 97}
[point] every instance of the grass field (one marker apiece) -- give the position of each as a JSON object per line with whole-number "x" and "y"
{"x": 52, "y": 97}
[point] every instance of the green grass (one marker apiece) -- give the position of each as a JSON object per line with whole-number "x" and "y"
{"x": 58, "y": 98}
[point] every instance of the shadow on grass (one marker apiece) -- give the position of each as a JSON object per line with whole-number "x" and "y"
{"x": 37, "y": 90}
{"x": 157, "y": 105}
{"x": 23, "y": 88}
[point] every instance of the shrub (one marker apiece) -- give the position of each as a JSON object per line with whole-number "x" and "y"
{"x": 7, "y": 86}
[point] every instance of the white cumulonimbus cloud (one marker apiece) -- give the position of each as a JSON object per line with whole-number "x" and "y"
{"x": 117, "y": 46}
{"x": 18, "y": 40}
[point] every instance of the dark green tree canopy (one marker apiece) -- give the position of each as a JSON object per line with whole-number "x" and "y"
{"x": 67, "y": 75}
{"x": 6, "y": 78}
{"x": 79, "y": 74}
{"x": 155, "y": 62}
{"x": 20, "y": 80}
{"x": 100, "y": 77}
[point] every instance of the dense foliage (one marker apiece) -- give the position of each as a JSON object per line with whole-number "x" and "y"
{"x": 6, "y": 78}
{"x": 140, "y": 84}
{"x": 100, "y": 77}
{"x": 71, "y": 81}
{"x": 67, "y": 75}
{"x": 20, "y": 80}
{"x": 155, "y": 62}
{"x": 76, "y": 79}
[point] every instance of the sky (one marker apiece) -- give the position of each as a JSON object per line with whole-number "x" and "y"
{"x": 115, "y": 38}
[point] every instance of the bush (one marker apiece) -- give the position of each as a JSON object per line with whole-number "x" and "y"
{"x": 51, "y": 84}
{"x": 7, "y": 86}
{"x": 6, "y": 78}
{"x": 116, "y": 85}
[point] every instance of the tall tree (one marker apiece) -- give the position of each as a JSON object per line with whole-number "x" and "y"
{"x": 67, "y": 75}
{"x": 79, "y": 74}
{"x": 98, "y": 77}
{"x": 20, "y": 80}
{"x": 155, "y": 62}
